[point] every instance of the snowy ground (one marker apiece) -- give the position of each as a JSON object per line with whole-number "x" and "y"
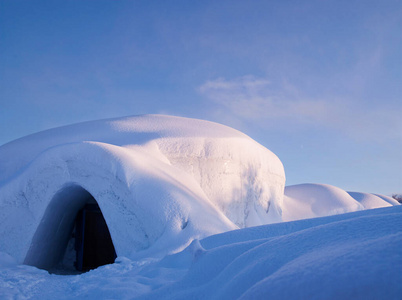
{"x": 163, "y": 183}
{"x": 349, "y": 256}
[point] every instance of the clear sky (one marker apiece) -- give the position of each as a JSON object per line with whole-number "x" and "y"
{"x": 317, "y": 82}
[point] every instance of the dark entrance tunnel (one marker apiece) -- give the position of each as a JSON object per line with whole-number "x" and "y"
{"x": 93, "y": 244}
{"x": 72, "y": 236}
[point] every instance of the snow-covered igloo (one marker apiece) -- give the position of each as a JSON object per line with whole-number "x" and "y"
{"x": 158, "y": 181}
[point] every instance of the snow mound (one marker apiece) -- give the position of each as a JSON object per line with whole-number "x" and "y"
{"x": 309, "y": 200}
{"x": 349, "y": 256}
{"x": 159, "y": 181}
{"x": 388, "y": 199}
{"x": 370, "y": 201}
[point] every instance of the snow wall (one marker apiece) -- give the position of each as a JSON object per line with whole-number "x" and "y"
{"x": 159, "y": 181}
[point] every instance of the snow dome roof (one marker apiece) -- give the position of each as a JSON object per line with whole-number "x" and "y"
{"x": 157, "y": 179}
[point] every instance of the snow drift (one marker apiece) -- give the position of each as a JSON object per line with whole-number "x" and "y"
{"x": 310, "y": 200}
{"x": 349, "y": 256}
{"x": 159, "y": 181}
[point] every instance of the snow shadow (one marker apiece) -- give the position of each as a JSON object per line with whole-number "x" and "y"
{"x": 72, "y": 236}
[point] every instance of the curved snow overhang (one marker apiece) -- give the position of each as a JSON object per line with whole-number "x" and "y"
{"x": 147, "y": 203}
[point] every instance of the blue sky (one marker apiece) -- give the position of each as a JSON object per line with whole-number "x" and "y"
{"x": 316, "y": 82}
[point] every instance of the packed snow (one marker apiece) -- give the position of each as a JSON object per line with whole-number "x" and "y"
{"x": 184, "y": 201}
{"x": 160, "y": 182}
{"x": 310, "y": 200}
{"x": 349, "y": 256}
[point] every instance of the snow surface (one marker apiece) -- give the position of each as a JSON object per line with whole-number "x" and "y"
{"x": 160, "y": 182}
{"x": 373, "y": 200}
{"x": 349, "y": 256}
{"x": 310, "y": 200}
{"x": 165, "y": 183}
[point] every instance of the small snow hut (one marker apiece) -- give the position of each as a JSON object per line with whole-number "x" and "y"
{"x": 146, "y": 185}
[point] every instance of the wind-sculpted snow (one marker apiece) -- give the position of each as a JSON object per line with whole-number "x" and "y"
{"x": 309, "y": 200}
{"x": 160, "y": 182}
{"x": 372, "y": 200}
{"x": 349, "y": 256}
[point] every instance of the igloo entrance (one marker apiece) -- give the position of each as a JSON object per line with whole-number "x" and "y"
{"x": 72, "y": 236}
{"x": 93, "y": 244}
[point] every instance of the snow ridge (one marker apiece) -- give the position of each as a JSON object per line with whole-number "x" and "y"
{"x": 354, "y": 255}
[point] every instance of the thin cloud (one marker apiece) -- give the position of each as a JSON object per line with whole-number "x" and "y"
{"x": 250, "y": 98}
